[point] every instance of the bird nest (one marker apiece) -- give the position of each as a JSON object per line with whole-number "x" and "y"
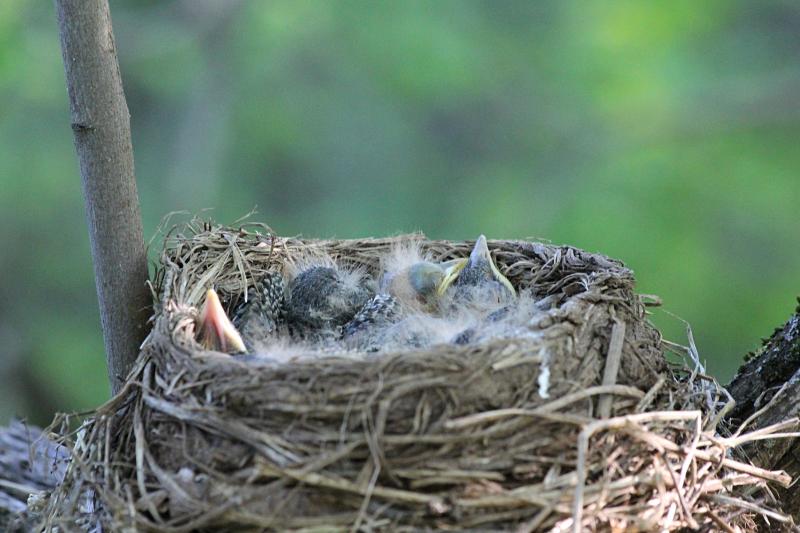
{"x": 583, "y": 425}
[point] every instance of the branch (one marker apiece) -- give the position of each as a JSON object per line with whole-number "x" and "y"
{"x": 101, "y": 127}
{"x": 767, "y": 391}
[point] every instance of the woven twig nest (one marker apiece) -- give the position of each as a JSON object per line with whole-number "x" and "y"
{"x": 583, "y": 426}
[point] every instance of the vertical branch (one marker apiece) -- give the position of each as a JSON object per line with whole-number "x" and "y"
{"x": 101, "y": 128}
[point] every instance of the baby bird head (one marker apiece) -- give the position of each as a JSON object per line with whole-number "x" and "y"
{"x": 425, "y": 277}
{"x": 411, "y": 276}
{"x": 215, "y": 329}
{"x": 479, "y": 270}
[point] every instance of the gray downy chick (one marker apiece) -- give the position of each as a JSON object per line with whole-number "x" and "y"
{"x": 477, "y": 285}
{"x": 322, "y": 299}
{"x": 511, "y": 320}
{"x": 477, "y": 282}
{"x": 411, "y": 289}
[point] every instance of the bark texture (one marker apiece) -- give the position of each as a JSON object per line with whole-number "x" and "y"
{"x": 101, "y": 128}
{"x": 769, "y": 385}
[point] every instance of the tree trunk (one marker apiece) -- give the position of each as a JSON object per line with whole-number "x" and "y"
{"x": 767, "y": 391}
{"x": 101, "y": 127}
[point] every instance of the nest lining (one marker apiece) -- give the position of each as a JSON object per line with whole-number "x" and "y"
{"x": 447, "y": 437}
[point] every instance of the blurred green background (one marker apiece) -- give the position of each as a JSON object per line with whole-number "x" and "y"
{"x": 666, "y": 134}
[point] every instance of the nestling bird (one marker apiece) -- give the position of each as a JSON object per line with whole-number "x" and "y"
{"x": 511, "y": 320}
{"x": 262, "y": 315}
{"x": 215, "y": 329}
{"x": 410, "y": 285}
{"x": 380, "y": 310}
{"x": 477, "y": 281}
{"x": 324, "y": 296}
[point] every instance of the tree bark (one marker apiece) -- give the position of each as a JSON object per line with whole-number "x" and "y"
{"x": 767, "y": 390}
{"x": 101, "y": 128}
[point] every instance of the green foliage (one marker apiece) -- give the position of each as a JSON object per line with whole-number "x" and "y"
{"x": 664, "y": 134}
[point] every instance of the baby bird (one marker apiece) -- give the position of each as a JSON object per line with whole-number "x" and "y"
{"x": 477, "y": 281}
{"x": 416, "y": 285}
{"x": 413, "y": 287}
{"x": 215, "y": 330}
{"x": 263, "y": 315}
{"x": 512, "y": 320}
{"x": 324, "y": 296}
{"x": 410, "y": 285}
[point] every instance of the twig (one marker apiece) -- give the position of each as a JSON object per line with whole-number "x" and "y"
{"x": 613, "y": 360}
{"x": 490, "y": 416}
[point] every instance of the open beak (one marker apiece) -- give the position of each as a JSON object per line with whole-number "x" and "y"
{"x": 216, "y": 331}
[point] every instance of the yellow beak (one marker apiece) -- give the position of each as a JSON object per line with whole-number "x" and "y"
{"x": 451, "y": 270}
{"x": 216, "y": 330}
{"x": 501, "y": 278}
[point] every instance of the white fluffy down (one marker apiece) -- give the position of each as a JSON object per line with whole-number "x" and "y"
{"x": 401, "y": 257}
